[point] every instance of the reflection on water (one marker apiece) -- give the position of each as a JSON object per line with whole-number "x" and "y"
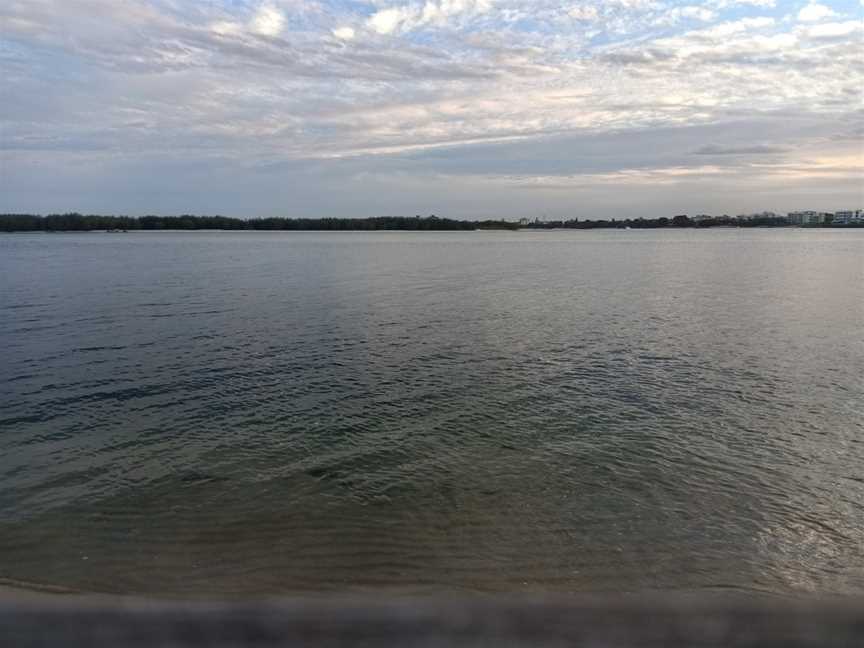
{"x": 242, "y": 413}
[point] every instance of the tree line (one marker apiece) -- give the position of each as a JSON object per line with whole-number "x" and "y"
{"x": 651, "y": 223}
{"x": 75, "y": 222}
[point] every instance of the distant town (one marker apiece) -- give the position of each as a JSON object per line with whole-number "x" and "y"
{"x": 843, "y": 218}
{"x": 75, "y": 222}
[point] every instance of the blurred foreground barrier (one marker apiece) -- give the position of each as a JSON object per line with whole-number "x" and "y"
{"x": 500, "y": 622}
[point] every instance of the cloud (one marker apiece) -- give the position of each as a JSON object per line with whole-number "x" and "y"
{"x": 587, "y": 13}
{"x": 268, "y": 21}
{"x": 387, "y": 21}
{"x": 835, "y": 30}
{"x": 814, "y": 12}
{"x": 713, "y": 149}
{"x": 344, "y": 33}
{"x": 226, "y": 28}
{"x": 435, "y": 13}
{"x": 692, "y": 12}
{"x": 726, "y": 4}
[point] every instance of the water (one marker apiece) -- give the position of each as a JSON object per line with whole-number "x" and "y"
{"x": 230, "y": 414}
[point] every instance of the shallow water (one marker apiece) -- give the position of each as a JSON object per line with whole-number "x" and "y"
{"x": 212, "y": 414}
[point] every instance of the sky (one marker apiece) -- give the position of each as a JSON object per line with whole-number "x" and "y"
{"x": 459, "y": 108}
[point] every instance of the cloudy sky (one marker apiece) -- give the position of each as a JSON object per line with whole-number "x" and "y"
{"x": 462, "y": 108}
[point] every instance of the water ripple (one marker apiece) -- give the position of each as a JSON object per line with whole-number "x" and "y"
{"x": 567, "y": 411}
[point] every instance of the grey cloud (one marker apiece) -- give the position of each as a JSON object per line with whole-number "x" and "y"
{"x": 649, "y": 56}
{"x": 646, "y": 148}
{"x": 713, "y": 149}
{"x": 32, "y": 143}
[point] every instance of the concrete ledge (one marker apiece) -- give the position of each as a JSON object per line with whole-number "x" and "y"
{"x": 502, "y": 622}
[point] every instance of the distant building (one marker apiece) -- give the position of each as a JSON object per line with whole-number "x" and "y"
{"x": 806, "y": 217}
{"x": 848, "y": 217}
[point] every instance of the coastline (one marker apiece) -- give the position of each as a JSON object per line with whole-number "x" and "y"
{"x": 692, "y": 228}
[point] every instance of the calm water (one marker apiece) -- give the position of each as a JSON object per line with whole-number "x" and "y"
{"x": 238, "y": 413}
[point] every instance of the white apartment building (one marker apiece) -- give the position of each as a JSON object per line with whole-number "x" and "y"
{"x": 848, "y": 217}
{"x": 806, "y": 217}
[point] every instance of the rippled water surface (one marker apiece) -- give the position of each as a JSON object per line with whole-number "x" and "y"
{"x": 238, "y": 413}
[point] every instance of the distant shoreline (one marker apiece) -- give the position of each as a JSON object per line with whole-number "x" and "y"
{"x": 479, "y": 229}
{"x": 75, "y": 222}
